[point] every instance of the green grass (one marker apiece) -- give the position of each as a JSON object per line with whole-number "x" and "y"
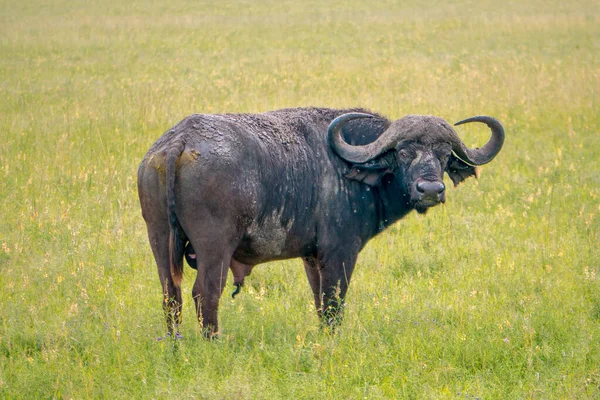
{"x": 494, "y": 295}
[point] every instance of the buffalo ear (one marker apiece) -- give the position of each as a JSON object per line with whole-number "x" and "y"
{"x": 458, "y": 170}
{"x": 372, "y": 171}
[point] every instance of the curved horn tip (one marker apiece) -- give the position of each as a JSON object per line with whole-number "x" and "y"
{"x": 479, "y": 118}
{"x": 487, "y": 153}
{"x": 353, "y": 115}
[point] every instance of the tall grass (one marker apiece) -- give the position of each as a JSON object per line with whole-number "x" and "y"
{"x": 494, "y": 295}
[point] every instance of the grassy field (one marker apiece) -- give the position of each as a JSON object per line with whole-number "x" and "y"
{"x": 494, "y": 295}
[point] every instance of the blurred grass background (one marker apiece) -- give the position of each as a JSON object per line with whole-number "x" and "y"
{"x": 494, "y": 295}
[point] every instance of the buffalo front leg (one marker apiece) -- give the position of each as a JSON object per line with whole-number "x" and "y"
{"x": 312, "y": 266}
{"x": 329, "y": 280}
{"x": 335, "y": 279}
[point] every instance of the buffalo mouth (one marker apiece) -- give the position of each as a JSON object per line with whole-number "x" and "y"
{"x": 421, "y": 206}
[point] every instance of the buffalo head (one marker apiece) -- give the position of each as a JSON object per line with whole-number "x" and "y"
{"x": 416, "y": 150}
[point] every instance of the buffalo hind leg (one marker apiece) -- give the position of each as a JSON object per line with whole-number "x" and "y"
{"x": 171, "y": 298}
{"x": 208, "y": 288}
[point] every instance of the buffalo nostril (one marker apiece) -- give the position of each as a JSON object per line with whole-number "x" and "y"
{"x": 430, "y": 187}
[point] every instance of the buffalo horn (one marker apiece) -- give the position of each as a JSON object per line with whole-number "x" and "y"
{"x": 356, "y": 154}
{"x": 485, "y": 154}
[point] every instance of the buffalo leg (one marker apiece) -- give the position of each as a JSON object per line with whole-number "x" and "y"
{"x": 207, "y": 290}
{"x": 335, "y": 278}
{"x": 329, "y": 282}
{"x": 213, "y": 258}
{"x": 313, "y": 273}
{"x": 153, "y": 202}
{"x": 171, "y": 299}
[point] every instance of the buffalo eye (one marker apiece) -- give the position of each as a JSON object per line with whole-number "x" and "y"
{"x": 403, "y": 154}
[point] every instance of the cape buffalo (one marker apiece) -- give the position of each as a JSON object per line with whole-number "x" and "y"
{"x": 236, "y": 190}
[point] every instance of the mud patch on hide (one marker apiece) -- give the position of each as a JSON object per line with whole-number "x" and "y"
{"x": 269, "y": 237}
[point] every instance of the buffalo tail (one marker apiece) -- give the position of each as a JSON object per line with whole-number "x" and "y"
{"x": 176, "y": 249}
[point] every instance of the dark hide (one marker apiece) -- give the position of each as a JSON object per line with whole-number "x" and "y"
{"x": 236, "y": 190}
